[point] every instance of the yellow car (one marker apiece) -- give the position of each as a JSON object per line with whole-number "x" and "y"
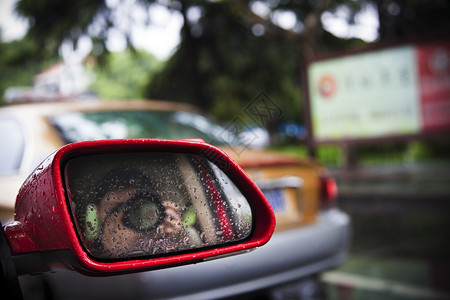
{"x": 312, "y": 234}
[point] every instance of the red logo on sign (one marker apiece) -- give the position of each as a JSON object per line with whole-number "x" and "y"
{"x": 327, "y": 86}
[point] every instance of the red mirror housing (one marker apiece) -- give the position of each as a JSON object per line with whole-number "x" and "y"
{"x": 44, "y": 221}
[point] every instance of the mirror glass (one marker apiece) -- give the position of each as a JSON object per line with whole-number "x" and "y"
{"x": 127, "y": 205}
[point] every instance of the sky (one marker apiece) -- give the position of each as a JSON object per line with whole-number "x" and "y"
{"x": 162, "y": 35}
{"x": 12, "y": 26}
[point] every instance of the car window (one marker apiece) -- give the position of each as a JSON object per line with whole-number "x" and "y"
{"x": 11, "y": 145}
{"x": 76, "y": 127}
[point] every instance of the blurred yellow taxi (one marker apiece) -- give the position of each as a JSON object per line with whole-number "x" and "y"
{"x": 312, "y": 234}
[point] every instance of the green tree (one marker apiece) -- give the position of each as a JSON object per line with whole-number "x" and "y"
{"x": 231, "y": 67}
{"x": 405, "y": 19}
{"x": 184, "y": 77}
{"x": 20, "y": 60}
{"x": 223, "y": 62}
{"x": 125, "y": 75}
{"x": 231, "y": 52}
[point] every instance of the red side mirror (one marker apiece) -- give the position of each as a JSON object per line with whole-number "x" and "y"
{"x": 117, "y": 206}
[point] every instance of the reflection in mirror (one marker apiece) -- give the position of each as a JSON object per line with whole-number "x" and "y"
{"x": 127, "y": 205}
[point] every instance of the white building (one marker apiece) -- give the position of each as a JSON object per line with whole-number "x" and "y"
{"x": 60, "y": 81}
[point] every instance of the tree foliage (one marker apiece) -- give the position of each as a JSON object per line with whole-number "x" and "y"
{"x": 19, "y": 61}
{"x": 225, "y": 67}
{"x": 405, "y": 19}
{"x": 54, "y": 21}
{"x": 125, "y": 75}
{"x": 222, "y": 63}
{"x": 230, "y": 53}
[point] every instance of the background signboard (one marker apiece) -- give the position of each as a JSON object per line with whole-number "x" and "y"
{"x": 397, "y": 91}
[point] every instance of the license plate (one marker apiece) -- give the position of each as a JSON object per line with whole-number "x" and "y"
{"x": 276, "y": 200}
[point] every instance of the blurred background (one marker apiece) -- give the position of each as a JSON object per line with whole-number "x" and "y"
{"x": 220, "y": 56}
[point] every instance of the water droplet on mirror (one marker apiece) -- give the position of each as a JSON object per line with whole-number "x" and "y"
{"x": 137, "y": 253}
